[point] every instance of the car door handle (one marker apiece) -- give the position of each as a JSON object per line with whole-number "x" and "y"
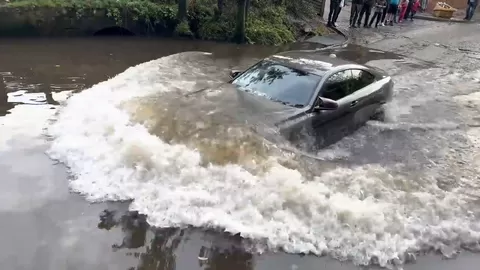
{"x": 353, "y": 103}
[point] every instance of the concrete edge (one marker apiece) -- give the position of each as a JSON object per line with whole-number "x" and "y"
{"x": 340, "y": 32}
{"x": 436, "y": 19}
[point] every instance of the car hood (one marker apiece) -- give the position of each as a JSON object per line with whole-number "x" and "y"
{"x": 221, "y": 110}
{"x": 241, "y": 105}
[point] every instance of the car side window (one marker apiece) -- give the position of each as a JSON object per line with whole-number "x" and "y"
{"x": 361, "y": 78}
{"x": 338, "y": 85}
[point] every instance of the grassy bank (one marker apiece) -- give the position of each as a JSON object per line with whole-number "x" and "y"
{"x": 267, "y": 22}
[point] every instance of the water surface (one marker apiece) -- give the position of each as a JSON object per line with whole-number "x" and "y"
{"x": 409, "y": 179}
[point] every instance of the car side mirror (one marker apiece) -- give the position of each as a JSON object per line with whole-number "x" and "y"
{"x": 325, "y": 104}
{"x": 234, "y": 73}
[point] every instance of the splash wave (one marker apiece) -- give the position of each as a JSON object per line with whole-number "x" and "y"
{"x": 362, "y": 213}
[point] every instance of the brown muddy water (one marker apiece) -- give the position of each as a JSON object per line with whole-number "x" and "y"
{"x": 43, "y": 226}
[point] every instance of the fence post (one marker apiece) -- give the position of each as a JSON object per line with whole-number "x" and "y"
{"x": 318, "y": 5}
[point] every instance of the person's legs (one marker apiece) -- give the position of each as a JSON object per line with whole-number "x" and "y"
{"x": 358, "y": 8}
{"x": 335, "y": 15}
{"x": 367, "y": 15}
{"x": 471, "y": 12}
{"x": 423, "y": 5}
{"x": 376, "y": 16}
{"x": 332, "y": 10}
{"x": 360, "y": 17}
{"x": 412, "y": 13}
{"x": 467, "y": 12}
{"x": 384, "y": 13}
{"x": 409, "y": 8}
{"x": 379, "y": 16}
{"x": 389, "y": 15}
{"x": 372, "y": 19}
{"x": 402, "y": 13}
{"x": 352, "y": 13}
{"x": 394, "y": 14}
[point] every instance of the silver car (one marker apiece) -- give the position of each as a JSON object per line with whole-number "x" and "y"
{"x": 313, "y": 94}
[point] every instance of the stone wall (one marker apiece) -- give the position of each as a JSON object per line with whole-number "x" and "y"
{"x": 61, "y": 22}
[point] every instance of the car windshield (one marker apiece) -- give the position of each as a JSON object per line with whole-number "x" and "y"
{"x": 279, "y": 83}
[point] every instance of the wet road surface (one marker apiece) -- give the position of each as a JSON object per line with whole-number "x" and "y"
{"x": 46, "y": 227}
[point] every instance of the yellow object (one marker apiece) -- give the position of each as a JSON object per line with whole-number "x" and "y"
{"x": 443, "y": 10}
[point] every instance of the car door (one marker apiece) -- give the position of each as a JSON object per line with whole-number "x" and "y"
{"x": 328, "y": 124}
{"x": 336, "y": 87}
{"x": 364, "y": 97}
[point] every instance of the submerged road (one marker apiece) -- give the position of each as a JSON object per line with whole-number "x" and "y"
{"x": 430, "y": 145}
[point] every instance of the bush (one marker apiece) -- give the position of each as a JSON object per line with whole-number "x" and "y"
{"x": 269, "y": 26}
{"x": 260, "y": 32}
{"x": 143, "y": 10}
{"x": 183, "y": 29}
{"x": 301, "y": 8}
{"x": 221, "y": 29}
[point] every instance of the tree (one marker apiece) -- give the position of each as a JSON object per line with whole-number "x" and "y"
{"x": 241, "y": 21}
{"x": 220, "y": 6}
{"x": 182, "y": 10}
{"x": 247, "y": 8}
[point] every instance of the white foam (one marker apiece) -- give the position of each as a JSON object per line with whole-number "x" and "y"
{"x": 355, "y": 213}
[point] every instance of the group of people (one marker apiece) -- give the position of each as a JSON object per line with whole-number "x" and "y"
{"x": 385, "y": 12}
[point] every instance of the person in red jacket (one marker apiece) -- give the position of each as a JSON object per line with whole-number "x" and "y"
{"x": 415, "y": 8}
{"x": 403, "y": 10}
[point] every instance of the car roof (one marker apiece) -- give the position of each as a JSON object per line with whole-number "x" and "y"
{"x": 313, "y": 61}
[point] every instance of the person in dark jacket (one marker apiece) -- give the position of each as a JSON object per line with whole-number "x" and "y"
{"x": 366, "y": 10}
{"x": 355, "y": 11}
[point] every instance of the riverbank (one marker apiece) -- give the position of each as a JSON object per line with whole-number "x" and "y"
{"x": 267, "y": 23}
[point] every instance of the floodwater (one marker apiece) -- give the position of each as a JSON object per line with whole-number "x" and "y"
{"x": 386, "y": 194}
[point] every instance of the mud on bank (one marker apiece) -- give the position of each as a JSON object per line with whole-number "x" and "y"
{"x": 268, "y": 22}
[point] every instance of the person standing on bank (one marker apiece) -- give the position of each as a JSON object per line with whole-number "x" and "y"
{"x": 334, "y": 5}
{"x": 355, "y": 11}
{"x": 415, "y": 8}
{"x": 409, "y": 8}
{"x": 366, "y": 9}
{"x": 403, "y": 10}
{"x": 392, "y": 11}
{"x": 384, "y": 13}
{"x": 472, "y": 5}
{"x": 378, "y": 9}
{"x": 337, "y": 12}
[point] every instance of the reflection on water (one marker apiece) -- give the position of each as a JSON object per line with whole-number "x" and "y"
{"x": 54, "y": 65}
{"x": 161, "y": 250}
{"x": 230, "y": 258}
{"x": 134, "y": 226}
{"x": 4, "y": 104}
